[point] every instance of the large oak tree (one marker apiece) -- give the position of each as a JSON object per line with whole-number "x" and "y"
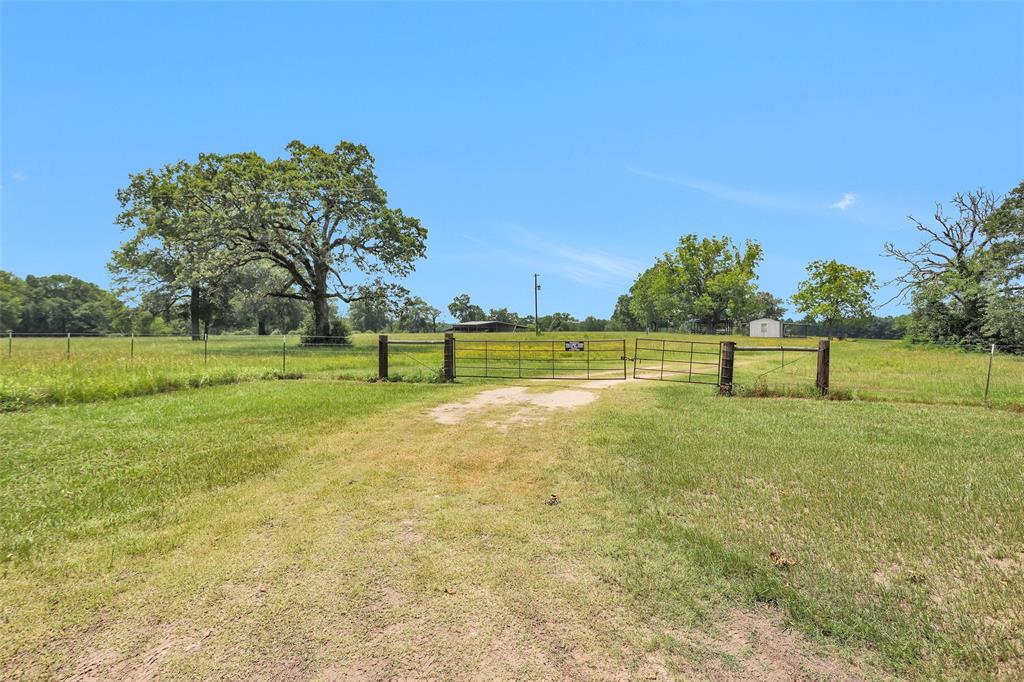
{"x": 318, "y": 215}
{"x": 174, "y": 247}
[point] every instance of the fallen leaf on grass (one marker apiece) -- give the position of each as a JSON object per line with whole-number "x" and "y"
{"x": 553, "y": 500}
{"x": 779, "y": 559}
{"x": 449, "y": 590}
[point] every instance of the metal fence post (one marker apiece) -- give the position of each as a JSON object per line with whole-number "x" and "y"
{"x": 69, "y": 345}
{"x": 382, "y": 357}
{"x": 823, "y": 367}
{"x": 10, "y": 343}
{"x": 206, "y": 340}
{"x": 727, "y": 353}
{"x": 449, "y": 356}
{"x": 284, "y": 352}
{"x": 131, "y": 352}
{"x": 552, "y": 359}
{"x": 988, "y": 378}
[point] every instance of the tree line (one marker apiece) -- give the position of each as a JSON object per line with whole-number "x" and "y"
{"x": 59, "y": 304}
{"x": 237, "y": 242}
{"x": 964, "y": 280}
{"x": 708, "y": 284}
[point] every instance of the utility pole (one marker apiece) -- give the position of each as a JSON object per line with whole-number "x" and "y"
{"x": 536, "y": 318}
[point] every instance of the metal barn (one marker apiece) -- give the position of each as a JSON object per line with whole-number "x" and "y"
{"x": 486, "y": 326}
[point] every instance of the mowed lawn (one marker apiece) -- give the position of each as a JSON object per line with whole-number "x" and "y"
{"x": 326, "y": 529}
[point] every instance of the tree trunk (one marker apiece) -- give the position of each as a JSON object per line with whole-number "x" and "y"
{"x": 321, "y": 304}
{"x": 321, "y": 315}
{"x": 261, "y": 326}
{"x": 193, "y": 312}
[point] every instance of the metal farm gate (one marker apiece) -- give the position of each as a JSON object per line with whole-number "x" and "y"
{"x": 675, "y": 360}
{"x": 540, "y": 359}
{"x": 692, "y": 362}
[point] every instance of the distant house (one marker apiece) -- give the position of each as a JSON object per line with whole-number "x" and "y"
{"x": 766, "y": 328}
{"x": 487, "y": 326}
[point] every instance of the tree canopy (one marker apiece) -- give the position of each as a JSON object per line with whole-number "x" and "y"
{"x": 463, "y": 310}
{"x": 370, "y": 314}
{"x": 59, "y": 304}
{"x": 622, "y": 316}
{"x": 767, "y": 305}
{"x": 964, "y": 277}
{"x": 834, "y": 291}
{"x": 174, "y": 246}
{"x": 709, "y": 279}
{"x": 1004, "y": 312}
{"x": 318, "y": 215}
{"x": 12, "y": 300}
{"x": 416, "y": 315}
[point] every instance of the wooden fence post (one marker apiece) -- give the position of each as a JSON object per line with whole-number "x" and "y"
{"x": 727, "y": 352}
{"x": 823, "y": 366}
{"x": 449, "y": 356}
{"x": 382, "y": 357}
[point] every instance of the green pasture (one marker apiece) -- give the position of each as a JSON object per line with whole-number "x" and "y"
{"x": 309, "y": 518}
{"x": 39, "y": 371}
{"x": 901, "y": 521}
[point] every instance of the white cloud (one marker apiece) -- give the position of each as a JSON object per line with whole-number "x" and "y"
{"x": 18, "y": 176}
{"x": 589, "y": 267}
{"x": 848, "y": 200}
{"x": 735, "y": 194}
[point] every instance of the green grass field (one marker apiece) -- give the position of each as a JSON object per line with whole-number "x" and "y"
{"x": 316, "y": 520}
{"x": 317, "y": 528}
{"x": 40, "y": 371}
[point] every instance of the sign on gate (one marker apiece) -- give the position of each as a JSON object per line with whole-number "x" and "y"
{"x": 575, "y": 346}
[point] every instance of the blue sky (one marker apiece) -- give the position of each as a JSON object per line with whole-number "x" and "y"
{"x": 574, "y": 140}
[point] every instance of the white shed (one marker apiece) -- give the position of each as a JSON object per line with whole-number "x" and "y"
{"x": 765, "y": 327}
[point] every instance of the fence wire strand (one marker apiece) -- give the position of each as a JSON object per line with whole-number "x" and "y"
{"x": 784, "y": 364}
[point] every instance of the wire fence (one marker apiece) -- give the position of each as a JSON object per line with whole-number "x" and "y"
{"x": 269, "y": 350}
{"x": 47, "y": 369}
{"x": 873, "y": 371}
{"x": 35, "y": 365}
